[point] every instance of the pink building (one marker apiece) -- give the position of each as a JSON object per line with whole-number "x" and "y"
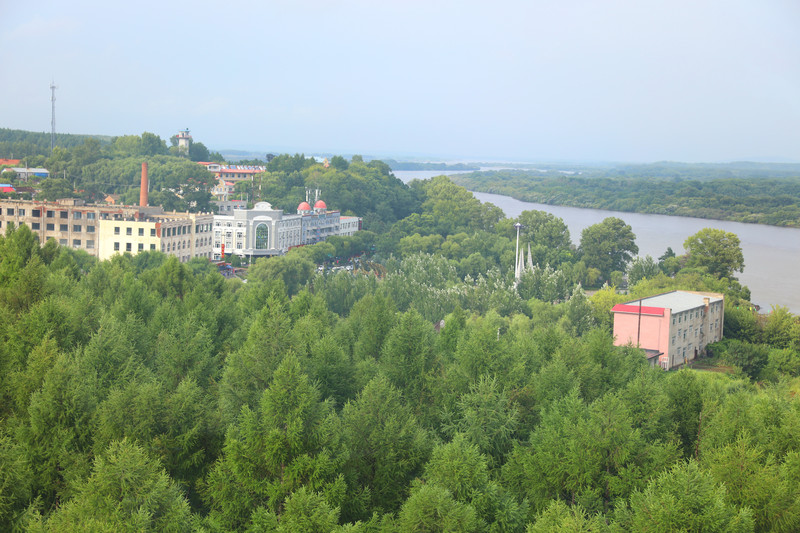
{"x": 672, "y": 328}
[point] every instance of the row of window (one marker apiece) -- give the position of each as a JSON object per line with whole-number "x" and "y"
{"x": 76, "y": 228}
{"x": 129, "y": 231}
{"x": 76, "y": 243}
{"x": 129, "y": 247}
{"x": 36, "y": 213}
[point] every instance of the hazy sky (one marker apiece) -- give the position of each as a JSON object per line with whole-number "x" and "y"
{"x": 636, "y": 80}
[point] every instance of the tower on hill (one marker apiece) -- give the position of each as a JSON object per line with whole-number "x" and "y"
{"x": 184, "y": 140}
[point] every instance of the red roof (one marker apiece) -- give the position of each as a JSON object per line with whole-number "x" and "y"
{"x": 635, "y": 309}
{"x": 12, "y": 162}
{"x": 320, "y": 205}
{"x": 7, "y": 189}
{"x": 304, "y": 206}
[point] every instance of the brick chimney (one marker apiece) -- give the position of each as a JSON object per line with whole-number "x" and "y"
{"x": 144, "y": 186}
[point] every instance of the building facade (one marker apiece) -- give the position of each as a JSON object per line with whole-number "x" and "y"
{"x": 103, "y": 230}
{"x": 264, "y": 231}
{"x": 184, "y": 235}
{"x": 672, "y": 328}
{"x": 256, "y": 232}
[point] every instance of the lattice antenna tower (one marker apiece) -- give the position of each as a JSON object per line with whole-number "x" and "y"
{"x": 53, "y": 88}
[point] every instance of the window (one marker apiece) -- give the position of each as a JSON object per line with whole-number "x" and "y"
{"x": 76, "y": 243}
{"x": 152, "y": 232}
{"x": 673, "y": 339}
{"x": 22, "y": 212}
{"x": 62, "y": 242}
{"x": 76, "y": 215}
{"x": 36, "y": 212}
{"x": 63, "y": 227}
{"x": 63, "y": 214}
{"x": 89, "y": 229}
{"x": 128, "y": 231}
{"x": 141, "y": 246}
{"x": 152, "y": 246}
{"x": 116, "y": 230}
{"x": 76, "y": 228}
{"x": 89, "y": 244}
{"x": 51, "y": 214}
{"x": 262, "y": 237}
{"x": 127, "y": 247}
{"x": 141, "y": 232}
{"x": 116, "y": 247}
{"x": 34, "y": 225}
{"x": 10, "y": 211}
{"x": 89, "y": 216}
{"x": 51, "y": 227}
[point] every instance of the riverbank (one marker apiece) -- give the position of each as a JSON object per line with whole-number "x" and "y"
{"x": 771, "y": 253}
{"x": 768, "y": 201}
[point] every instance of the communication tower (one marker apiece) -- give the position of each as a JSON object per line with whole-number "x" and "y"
{"x": 53, "y": 115}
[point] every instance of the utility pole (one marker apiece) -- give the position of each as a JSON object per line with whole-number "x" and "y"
{"x": 517, "y": 270}
{"x": 53, "y": 116}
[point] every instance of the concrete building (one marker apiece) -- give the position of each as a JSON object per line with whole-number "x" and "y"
{"x": 184, "y": 235}
{"x": 263, "y": 230}
{"x": 225, "y": 207}
{"x": 184, "y": 140}
{"x": 103, "y": 230}
{"x": 672, "y": 328}
{"x": 349, "y": 225}
{"x": 25, "y": 173}
{"x": 256, "y": 232}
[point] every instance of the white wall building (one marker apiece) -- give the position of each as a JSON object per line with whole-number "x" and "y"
{"x": 264, "y": 231}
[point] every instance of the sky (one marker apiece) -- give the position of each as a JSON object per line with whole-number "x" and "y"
{"x": 502, "y": 80}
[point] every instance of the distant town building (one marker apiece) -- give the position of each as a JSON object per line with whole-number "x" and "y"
{"x": 226, "y": 206}
{"x": 184, "y": 140}
{"x": 229, "y": 175}
{"x": 672, "y": 328}
{"x": 103, "y": 230}
{"x": 256, "y": 232}
{"x": 24, "y": 173}
{"x": 265, "y": 231}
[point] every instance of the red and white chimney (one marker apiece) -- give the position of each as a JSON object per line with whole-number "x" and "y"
{"x": 144, "y": 186}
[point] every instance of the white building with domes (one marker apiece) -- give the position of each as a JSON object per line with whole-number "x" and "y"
{"x": 264, "y": 231}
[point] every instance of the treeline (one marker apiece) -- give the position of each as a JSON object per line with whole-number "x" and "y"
{"x": 145, "y": 394}
{"x": 416, "y": 165}
{"x": 88, "y": 168}
{"x": 743, "y": 199}
{"x": 27, "y": 145}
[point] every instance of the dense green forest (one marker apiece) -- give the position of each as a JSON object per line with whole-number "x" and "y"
{"x": 743, "y": 193}
{"x": 143, "y": 394}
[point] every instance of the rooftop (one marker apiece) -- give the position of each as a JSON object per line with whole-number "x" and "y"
{"x": 678, "y": 301}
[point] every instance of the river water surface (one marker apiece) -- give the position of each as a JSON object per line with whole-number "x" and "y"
{"x": 771, "y": 254}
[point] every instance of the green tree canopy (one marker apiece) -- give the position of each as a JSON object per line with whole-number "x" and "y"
{"x": 608, "y": 246}
{"x": 717, "y": 250}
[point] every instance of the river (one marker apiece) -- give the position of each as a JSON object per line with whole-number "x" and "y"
{"x": 771, "y": 254}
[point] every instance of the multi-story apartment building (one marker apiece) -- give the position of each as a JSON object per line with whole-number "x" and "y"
{"x": 672, "y": 328}
{"x": 103, "y": 230}
{"x": 184, "y": 235}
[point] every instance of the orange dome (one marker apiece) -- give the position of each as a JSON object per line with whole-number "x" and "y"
{"x": 303, "y": 207}
{"x": 320, "y": 205}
